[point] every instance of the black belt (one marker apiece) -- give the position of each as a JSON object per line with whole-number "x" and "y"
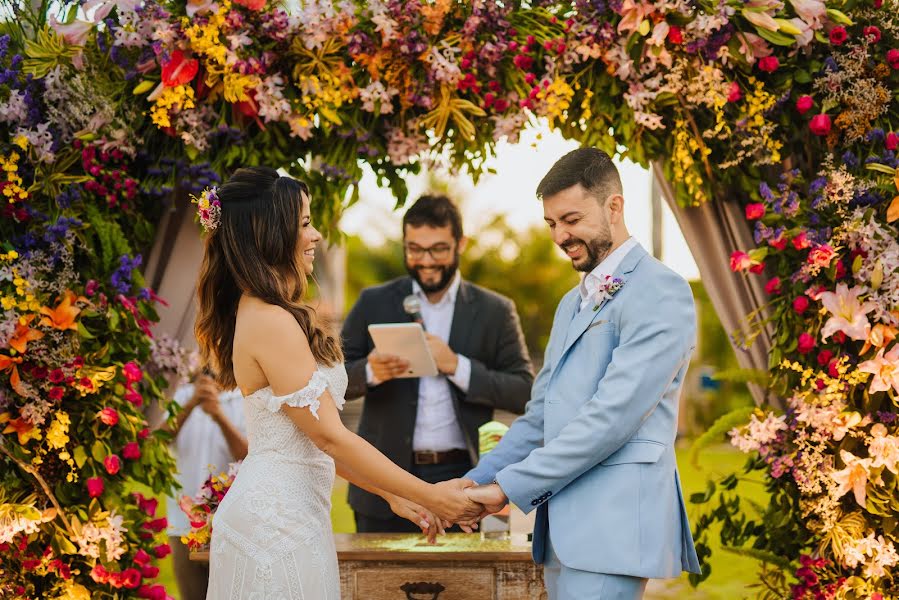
{"x": 433, "y": 457}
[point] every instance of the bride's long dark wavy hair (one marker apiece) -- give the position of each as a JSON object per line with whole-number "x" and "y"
{"x": 254, "y": 250}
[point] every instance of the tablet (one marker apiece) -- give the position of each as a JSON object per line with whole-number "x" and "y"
{"x": 406, "y": 340}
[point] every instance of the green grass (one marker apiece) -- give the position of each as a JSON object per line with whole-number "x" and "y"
{"x": 730, "y": 573}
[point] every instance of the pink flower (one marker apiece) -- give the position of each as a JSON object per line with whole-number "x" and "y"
{"x": 740, "y": 261}
{"x": 155, "y": 592}
{"x": 893, "y": 58}
{"x": 804, "y": 104}
{"x": 824, "y": 357}
{"x": 162, "y": 550}
{"x": 143, "y": 434}
{"x": 132, "y": 372}
{"x": 872, "y": 33}
{"x": 773, "y": 286}
{"x": 146, "y": 505}
{"x": 801, "y": 241}
{"x": 156, "y": 525}
{"x": 838, "y": 35}
{"x": 769, "y": 64}
{"x": 95, "y": 487}
{"x": 806, "y": 343}
{"x": 149, "y": 572}
{"x": 821, "y": 255}
{"x": 892, "y": 141}
{"x": 884, "y": 368}
{"x": 109, "y": 416}
{"x": 854, "y": 477}
{"x": 131, "y": 451}
{"x": 735, "y": 93}
{"x": 800, "y": 304}
{"x": 820, "y": 124}
{"x": 675, "y": 35}
{"x": 133, "y": 397}
{"x": 99, "y": 573}
{"x": 112, "y": 464}
{"x": 633, "y": 12}
{"x": 74, "y": 33}
{"x": 755, "y": 211}
{"x": 142, "y": 558}
{"x": 131, "y": 578}
{"x": 849, "y": 314}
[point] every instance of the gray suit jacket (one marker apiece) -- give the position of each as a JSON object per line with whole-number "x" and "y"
{"x": 485, "y": 329}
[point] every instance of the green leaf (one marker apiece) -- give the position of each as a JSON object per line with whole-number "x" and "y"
{"x": 778, "y": 39}
{"x": 715, "y": 434}
{"x": 881, "y": 168}
{"x": 80, "y": 456}
{"x": 84, "y": 333}
{"x": 98, "y": 451}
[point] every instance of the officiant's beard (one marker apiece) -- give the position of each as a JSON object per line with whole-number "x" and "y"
{"x": 446, "y": 275}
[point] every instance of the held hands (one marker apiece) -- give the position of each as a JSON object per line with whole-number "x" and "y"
{"x": 428, "y": 521}
{"x": 491, "y": 497}
{"x": 386, "y": 366}
{"x": 452, "y": 504}
{"x": 446, "y": 360}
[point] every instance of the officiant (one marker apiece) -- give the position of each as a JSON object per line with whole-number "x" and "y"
{"x": 429, "y": 425}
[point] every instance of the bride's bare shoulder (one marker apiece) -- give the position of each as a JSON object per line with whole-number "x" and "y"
{"x": 257, "y": 319}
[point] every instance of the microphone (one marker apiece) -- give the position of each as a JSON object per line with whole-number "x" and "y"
{"x": 412, "y": 307}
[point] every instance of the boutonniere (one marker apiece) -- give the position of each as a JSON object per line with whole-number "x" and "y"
{"x": 606, "y": 290}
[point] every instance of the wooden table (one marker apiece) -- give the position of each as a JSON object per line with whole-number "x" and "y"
{"x": 376, "y": 566}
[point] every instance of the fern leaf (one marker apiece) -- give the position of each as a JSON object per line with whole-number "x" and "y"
{"x": 714, "y": 433}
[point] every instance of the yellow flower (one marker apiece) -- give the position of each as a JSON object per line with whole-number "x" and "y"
{"x": 74, "y": 591}
{"x": 176, "y": 98}
{"x": 57, "y": 434}
{"x": 237, "y": 85}
{"x": 21, "y": 141}
{"x": 13, "y": 189}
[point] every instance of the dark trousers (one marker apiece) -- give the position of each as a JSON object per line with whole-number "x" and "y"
{"x": 395, "y": 524}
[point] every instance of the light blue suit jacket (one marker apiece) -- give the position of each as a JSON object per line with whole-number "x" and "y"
{"x": 594, "y": 451}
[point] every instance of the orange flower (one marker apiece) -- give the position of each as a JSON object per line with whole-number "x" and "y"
{"x": 22, "y": 428}
{"x": 881, "y": 335}
{"x": 24, "y": 334}
{"x": 64, "y": 315}
{"x": 8, "y": 363}
{"x": 893, "y": 210}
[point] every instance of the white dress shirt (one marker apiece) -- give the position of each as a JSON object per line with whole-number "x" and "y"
{"x": 200, "y": 449}
{"x": 606, "y": 269}
{"x": 436, "y": 425}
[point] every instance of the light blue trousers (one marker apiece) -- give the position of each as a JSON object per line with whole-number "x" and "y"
{"x": 564, "y": 583}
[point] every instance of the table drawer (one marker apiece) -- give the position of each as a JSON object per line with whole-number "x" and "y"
{"x": 439, "y": 583}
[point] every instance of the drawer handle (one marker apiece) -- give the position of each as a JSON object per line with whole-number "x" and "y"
{"x": 422, "y": 590}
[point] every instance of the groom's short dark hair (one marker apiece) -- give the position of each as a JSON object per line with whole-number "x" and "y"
{"x": 590, "y": 167}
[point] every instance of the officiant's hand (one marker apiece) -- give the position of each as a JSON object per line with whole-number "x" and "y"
{"x": 490, "y": 496}
{"x": 446, "y": 360}
{"x": 430, "y": 524}
{"x": 452, "y": 504}
{"x": 386, "y": 366}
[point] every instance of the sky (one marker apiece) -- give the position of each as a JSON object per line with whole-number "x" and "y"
{"x": 510, "y": 193}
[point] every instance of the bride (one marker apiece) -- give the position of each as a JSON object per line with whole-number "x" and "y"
{"x": 272, "y": 534}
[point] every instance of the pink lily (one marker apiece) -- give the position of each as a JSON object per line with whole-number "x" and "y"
{"x": 632, "y": 14}
{"x": 848, "y": 313}
{"x": 884, "y": 368}
{"x": 854, "y": 477}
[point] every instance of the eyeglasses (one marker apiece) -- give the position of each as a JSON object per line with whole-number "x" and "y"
{"x": 438, "y": 252}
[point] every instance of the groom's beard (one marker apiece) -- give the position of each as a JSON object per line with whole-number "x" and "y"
{"x": 447, "y": 272}
{"x": 595, "y": 251}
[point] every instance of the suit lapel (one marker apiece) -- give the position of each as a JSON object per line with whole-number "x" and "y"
{"x": 585, "y": 317}
{"x": 464, "y": 313}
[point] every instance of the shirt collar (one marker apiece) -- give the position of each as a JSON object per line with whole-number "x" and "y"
{"x": 448, "y": 298}
{"x": 605, "y": 269}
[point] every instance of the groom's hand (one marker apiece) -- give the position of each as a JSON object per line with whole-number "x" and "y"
{"x": 490, "y": 496}
{"x": 452, "y": 503}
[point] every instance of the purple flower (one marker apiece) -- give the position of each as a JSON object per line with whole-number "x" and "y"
{"x": 850, "y": 159}
{"x": 875, "y": 135}
{"x": 817, "y": 185}
{"x": 765, "y": 191}
{"x": 121, "y": 278}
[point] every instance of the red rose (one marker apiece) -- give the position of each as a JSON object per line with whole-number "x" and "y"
{"x": 806, "y": 343}
{"x": 56, "y": 393}
{"x": 892, "y": 141}
{"x": 824, "y": 357}
{"x": 734, "y": 93}
{"x": 95, "y": 487}
{"x": 109, "y": 416}
{"x": 755, "y": 211}
{"x": 131, "y": 578}
{"x": 841, "y": 270}
{"x": 162, "y": 550}
{"x": 675, "y": 35}
{"x": 800, "y": 304}
{"x": 839, "y": 337}
{"x": 99, "y": 573}
{"x": 252, "y": 4}
{"x": 773, "y": 286}
{"x": 821, "y": 255}
{"x": 757, "y": 268}
{"x": 838, "y": 35}
{"x": 131, "y": 451}
{"x": 57, "y": 376}
{"x": 146, "y": 505}
{"x": 769, "y": 64}
{"x": 156, "y": 525}
{"x": 820, "y": 124}
{"x": 112, "y": 464}
{"x": 804, "y": 104}
{"x": 132, "y": 372}
{"x": 801, "y": 241}
{"x": 149, "y": 572}
{"x": 143, "y": 434}
{"x": 872, "y": 33}
{"x": 893, "y": 58}
{"x": 832, "y": 368}
{"x": 154, "y": 592}
{"x": 134, "y": 398}
{"x": 142, "y": 558}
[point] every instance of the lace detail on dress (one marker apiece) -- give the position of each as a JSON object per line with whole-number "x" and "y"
{"x": 271, "y": 535}
{"x": 307, "y": 396}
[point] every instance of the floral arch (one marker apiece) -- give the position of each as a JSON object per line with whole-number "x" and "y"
{"x": 108, "y": 109}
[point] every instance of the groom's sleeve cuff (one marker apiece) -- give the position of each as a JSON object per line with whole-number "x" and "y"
{"x": 525, "y": 499}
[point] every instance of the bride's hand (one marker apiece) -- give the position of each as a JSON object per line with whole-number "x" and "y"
{"x": 422, "y": 517}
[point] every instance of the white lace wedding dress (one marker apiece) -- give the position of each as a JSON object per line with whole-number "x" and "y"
{"x": 272, "y": 537}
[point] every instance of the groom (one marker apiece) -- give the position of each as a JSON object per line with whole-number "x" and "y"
{"x": 594, "y": 453}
